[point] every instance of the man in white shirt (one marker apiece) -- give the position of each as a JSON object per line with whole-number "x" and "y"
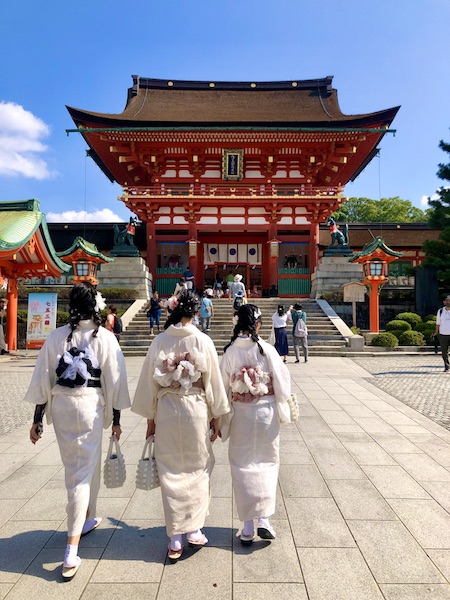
{"x": 443, "y": 330}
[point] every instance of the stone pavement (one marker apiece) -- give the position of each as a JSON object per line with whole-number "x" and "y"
{"x": 363, "y": 508}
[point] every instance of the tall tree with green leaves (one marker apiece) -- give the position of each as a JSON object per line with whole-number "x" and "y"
{"x": 386, "y": 210}
{"x": 437, "y": 252}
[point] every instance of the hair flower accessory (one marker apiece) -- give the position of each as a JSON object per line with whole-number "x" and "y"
{"x": 172, "y": 302}
{"x": 179, "y": 369}
{"x": 100, "y": 303}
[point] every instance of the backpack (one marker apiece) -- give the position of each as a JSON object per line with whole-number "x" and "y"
{"x": 117, "y": 327}
{"x": 238, "y": 302}
{"x": 300, "y": 329}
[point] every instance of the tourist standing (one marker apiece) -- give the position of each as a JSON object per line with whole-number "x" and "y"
{"x": 258, "y": 385}
{"x": 237, "y": 287}
{"x": 206, "y": 311}
{"x": 80, "y": 383}
{"x": 3, "y": 305}
{"x": 279, "y": 320}
{"x": 154, "y": 312}
{"x": 181, "y": 394}
{"x": 189, "y": 278}
{"x": 443, "y": 331}
{"x": 113, "y": 322}
{"x": 297, "y": 313}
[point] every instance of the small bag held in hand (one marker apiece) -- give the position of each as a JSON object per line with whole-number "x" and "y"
{"x": 147, "y": 474}
{"x": 293, "y": 406}
{"x": 114, "y": 473}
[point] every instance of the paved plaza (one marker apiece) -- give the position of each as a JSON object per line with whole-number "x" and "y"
{"x": 363, "y": 508}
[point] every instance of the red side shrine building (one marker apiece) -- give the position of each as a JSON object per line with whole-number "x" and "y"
{"x": 233, "y": 176}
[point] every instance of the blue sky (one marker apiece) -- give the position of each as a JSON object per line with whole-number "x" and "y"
{"x": 382, "y": 54}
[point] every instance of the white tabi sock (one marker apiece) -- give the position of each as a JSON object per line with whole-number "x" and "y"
{"x": 175, "y": 542}
{"x": 70, "y": 557}
{"x": 249, "y": 528}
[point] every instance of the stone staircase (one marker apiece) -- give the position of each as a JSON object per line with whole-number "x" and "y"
{"x": 323, "y": 337}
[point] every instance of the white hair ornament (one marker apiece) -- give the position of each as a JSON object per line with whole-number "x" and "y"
{"x": 100, "y": 303}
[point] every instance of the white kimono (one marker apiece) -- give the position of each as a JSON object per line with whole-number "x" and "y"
{"x": 79, "y": 413}
{"x": 180, "y": 388}
{"x": 259, "y": 387}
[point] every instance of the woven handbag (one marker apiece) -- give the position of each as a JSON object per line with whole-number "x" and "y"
{"x": 147, "y": 474}
{"x": 293, "y": 407}
{"x": 114, "y": 472}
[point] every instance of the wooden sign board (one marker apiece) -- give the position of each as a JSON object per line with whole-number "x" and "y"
{"x": 354, "y": 292}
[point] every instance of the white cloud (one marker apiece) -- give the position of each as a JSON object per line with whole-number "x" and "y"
{"x": 105, "y": 215}
{"x": 20, "y": 135}
{"x": 424, "y": 201}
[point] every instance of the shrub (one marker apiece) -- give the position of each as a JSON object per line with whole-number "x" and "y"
{"x": 110, "y": 294}
{"x": 386, "y": 340}
{"x": 398, "y": 325}
{"x": 355, "y": 330}
{"x": 397, "y": 332}
{"x": 336, "y": 296}
{"x": 412, "y": 318}
{"x": 411, "y": 338}
{"x": 423, "y": 327}
{"x": 430, "y": 318}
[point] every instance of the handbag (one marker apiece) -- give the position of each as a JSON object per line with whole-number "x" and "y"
{"x": 271, "y": 339}
{"x": 114, "y": 472}
{"x": 293, "y": 407}
{"x": 147, "y": 477}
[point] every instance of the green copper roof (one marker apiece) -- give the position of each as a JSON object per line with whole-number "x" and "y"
{"x": 377, "y": 243}
{"x": 87, "y": 247}
{"x": 19, "y": 220}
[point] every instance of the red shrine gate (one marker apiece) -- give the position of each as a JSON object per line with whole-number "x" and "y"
{"x": 233, "y": 175}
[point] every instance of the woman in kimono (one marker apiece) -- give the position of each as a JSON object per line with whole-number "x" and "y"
{"x": 258, "y": 384}
{"x": 181, "y": 394}
{"x": 80, "y": 384}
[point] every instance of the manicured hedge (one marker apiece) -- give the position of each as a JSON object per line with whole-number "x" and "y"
{"x": 398, "y": 325}
{"x": 412, "y": 318}
{"x": 411, "y": 338}
{"x": 386, "y": 340}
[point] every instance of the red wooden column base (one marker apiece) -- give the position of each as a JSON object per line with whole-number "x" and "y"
{"x": 11, "y": 315}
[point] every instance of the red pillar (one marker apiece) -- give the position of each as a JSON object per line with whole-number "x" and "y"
{"x": 273, "y": 260}
{"x": 11, "y": 315}
{"x": 374, "y": 306}
{"x": 313, "y": 246}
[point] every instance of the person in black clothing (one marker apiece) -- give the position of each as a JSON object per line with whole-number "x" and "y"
{"x": 154, "y": 312}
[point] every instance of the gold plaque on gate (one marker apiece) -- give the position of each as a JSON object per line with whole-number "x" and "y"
{"x": 232, "y": 165}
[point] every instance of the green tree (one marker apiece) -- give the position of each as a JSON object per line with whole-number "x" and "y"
{"x": 386, "y": 210}
{"x": 437, "y": 252}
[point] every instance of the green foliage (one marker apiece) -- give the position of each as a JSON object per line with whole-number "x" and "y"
{"x": 355, "y": 330}
{"x": 398, "y": 325}
{"x": 427, "y": 329}
{"x": 386, "y": 210}
{"x": 397, "y": 332}
{"x": 336, "y": 296}
{"x": 411, "y": 338}
{"x": 110, "y": 294}
{"x": 430, "y": 318}
{"x": 412, "y": 318}
{"x": 22, "y": 316}
{"x": 437, "y": 252}
{"x": 387, "y": 340}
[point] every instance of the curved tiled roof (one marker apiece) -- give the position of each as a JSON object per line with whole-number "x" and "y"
{"x": 312, "y": 103}
{"x": 19, "y": 221}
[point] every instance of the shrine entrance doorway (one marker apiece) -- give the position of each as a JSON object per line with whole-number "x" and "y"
{"x": 251, "y": 275}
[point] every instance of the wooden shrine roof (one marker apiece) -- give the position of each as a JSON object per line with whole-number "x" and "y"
{"x": 308, "y": 103}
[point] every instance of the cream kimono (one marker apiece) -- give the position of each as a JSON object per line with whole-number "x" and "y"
{"x": 79, "y": 413}
{"x": 259, "y": 387}
{"x": 180, "y": 388}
